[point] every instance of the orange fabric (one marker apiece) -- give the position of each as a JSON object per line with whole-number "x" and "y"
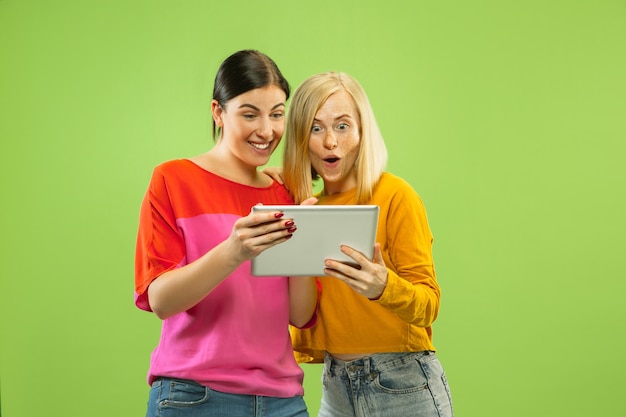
{"x": 400, "y": 320}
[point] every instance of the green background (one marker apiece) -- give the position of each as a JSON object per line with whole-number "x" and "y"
{"x": 509, "y": 119}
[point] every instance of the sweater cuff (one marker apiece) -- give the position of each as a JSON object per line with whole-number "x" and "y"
{"x": 390, "y": 289}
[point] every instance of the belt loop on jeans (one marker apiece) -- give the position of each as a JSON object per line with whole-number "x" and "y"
{"x": 330, "y": 363}
{"x": 367, "y": 365}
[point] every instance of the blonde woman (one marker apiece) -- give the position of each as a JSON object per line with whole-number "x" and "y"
{"x": 374, "y": 331}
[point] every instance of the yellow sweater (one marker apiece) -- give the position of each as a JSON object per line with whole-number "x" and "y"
{"x": 400, "y": 320}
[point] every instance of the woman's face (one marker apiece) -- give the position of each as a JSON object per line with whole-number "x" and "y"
{"x": 252, "y": 124}
{"x": 335, "y": 142}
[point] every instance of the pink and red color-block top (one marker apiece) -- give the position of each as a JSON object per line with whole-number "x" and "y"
{"x": 235, "y": 340}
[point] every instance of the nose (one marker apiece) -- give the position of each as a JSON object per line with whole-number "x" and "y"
{"x": 264, "y": 130}
{"x": 330, "y": 142}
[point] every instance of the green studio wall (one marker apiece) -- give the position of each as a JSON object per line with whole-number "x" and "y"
{"x": 507, "y": 117}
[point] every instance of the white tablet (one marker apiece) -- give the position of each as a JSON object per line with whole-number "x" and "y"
{"x": 321, "y": 230}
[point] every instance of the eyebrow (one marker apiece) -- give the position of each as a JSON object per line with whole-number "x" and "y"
{"x": 252, "y": 106}
{"x": 343, "y": 116}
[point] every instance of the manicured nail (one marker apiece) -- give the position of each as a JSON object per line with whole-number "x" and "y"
{"x": 279, "y": 214}
{"x": 292, "y": 229}
{"x": 289, "y": 223}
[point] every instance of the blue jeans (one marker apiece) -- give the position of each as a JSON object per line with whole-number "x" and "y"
{"x": 385, "y": 384}
{"x": 183, "y": 398}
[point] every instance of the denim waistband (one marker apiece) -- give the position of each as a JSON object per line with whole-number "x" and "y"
{"x": 159, "y": 380}
{"x": 372, "y": 363}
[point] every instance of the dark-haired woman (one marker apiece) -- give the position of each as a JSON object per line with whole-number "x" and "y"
{"x": 224, "y": 348}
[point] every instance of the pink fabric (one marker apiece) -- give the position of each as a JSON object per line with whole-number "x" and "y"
{"x": 236, "y": 340}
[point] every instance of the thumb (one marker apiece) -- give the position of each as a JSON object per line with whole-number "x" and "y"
{"x": 257, "y": 204}
{"x": 378, "y": 255}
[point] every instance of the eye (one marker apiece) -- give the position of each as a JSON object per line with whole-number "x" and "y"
{"x": 343, "y": 126}
{"x": 316, "y": 129}
{"x": 249, "y": 116}
{"x": 277, "y": 115}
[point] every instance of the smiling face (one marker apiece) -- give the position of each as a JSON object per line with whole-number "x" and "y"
{"x": 252, "y": 125}
{"x": 335, "y": 142}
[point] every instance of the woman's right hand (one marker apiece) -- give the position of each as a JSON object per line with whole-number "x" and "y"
{"x": 260, "y": 231}
{"x": 257, "y": 232}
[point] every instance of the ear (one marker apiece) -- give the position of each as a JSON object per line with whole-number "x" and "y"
{"x": 217, "y": 111}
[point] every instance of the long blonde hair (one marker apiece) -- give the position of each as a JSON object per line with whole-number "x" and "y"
{"x": 305, "y": 103}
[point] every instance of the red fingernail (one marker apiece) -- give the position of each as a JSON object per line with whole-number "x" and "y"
{"x": 292, "y": 229}
{"x": 289, "y": 223}
{"x": 279, "y": 215}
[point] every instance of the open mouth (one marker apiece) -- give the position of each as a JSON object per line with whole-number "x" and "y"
{"x": 331, "y": 160}
{"x": 260, "y": 146}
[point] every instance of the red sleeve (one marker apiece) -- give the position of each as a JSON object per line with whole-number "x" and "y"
{"x": 160, "y": 245}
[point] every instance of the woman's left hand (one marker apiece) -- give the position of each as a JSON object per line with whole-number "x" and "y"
{"x": 369, "y": 278}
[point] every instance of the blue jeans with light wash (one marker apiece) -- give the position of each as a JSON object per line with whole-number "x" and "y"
{"x": 183, "y": 398}
{"x": 385, "y": 384}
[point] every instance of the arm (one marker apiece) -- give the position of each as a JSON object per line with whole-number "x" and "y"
{"x": 303, "y": 292}
{"x": 303, "y": 295}
{"x": 415, "y": 303}
{"x": 401, "y": 276}
{"x": 412, "y": 291}
{"x": 179, "y": 289}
